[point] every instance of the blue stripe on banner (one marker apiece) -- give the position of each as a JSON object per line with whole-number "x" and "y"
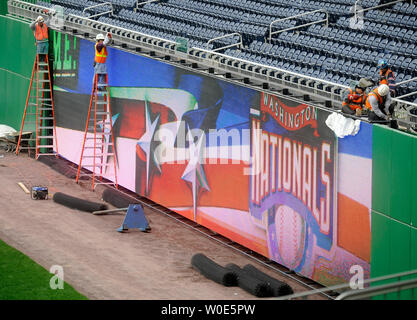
{"x": 124, "y": 69}
{"x": 359, "y": 145}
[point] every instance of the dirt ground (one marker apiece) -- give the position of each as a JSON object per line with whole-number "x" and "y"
{"x": 98, "y": 261}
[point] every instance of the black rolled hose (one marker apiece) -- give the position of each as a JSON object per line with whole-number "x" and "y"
{"x": 77, "y": 203}
{"x": 249, "y": 283}
{"x": 118, "y": 199}
{"x": 213, "y": 271}
{"x": 278, "y": 287}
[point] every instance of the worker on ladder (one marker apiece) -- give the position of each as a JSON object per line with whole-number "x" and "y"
{"x": 40, "y": 31}
{"x": 101, "y": 56}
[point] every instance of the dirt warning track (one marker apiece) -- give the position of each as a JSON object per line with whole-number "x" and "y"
{"x": 98, "y": 261}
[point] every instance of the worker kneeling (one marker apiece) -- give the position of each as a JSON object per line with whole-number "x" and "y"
{"x": 355, "y": 100}
{"x": 378, "y": 102}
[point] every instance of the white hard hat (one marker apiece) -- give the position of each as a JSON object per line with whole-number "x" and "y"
{"x": 40, "y": 18}
{"x": 100, "y": 36}
{"x": 383, "y": 90}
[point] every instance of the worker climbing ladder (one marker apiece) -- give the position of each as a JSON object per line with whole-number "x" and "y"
{"x": 98, "y": 145}
{"x": 39, "y": 115}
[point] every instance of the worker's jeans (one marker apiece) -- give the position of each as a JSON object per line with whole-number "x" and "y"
{"x": 42, "y": 47}
{"x": 101, "y": 70}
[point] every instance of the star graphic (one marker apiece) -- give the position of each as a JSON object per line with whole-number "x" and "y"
{"x": 194, "y": 172}
{"x": 147, "y": 144}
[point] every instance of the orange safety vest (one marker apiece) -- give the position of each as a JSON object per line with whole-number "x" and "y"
{"x": 377, "y": 96}
{"x": 355, "y": 103}
{"x": 41, "y": 33}
{"x": 385, "y": 76}
{"x": 100, "y": 56}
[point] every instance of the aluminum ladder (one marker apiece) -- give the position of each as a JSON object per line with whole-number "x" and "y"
{"x": 98, "y": 145}
{"x": 37, "y": 130}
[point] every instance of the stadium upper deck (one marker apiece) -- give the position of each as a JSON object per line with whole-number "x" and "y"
{"x": 308, "y": 49}
{"x": 339, "y": 53}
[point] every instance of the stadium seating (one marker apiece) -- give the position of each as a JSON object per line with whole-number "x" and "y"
{"x": 340, "y": 52}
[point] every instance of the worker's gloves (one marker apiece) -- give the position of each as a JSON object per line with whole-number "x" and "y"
{"x": 94, "y": 64}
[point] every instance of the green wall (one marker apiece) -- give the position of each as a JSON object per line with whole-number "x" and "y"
{"x": 16, "y": 63}
{"x": 3, "y": 6}
{"x": 394, "y": 204}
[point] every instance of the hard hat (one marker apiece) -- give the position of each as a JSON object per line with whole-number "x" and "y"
{"x": 382, "y": 64}
{"x": 40, "y": 18}
{"x": 364, "y": 83}
{"x": 383, "y": 90}
{"x": 100, "y": 36}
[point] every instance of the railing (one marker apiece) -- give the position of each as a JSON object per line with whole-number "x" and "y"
{"x": 404, "y": 82}
{"x": 101, "y": 13}
{"x": 323, "y": 94}
{"x": 238, "y": 44}
{"x": 356, "y": 11}
{"x": 300, "y": 26}
{"x": 341, "y": 287}
{"x": 381, "y": 289}
{"x": 138, "y": 4}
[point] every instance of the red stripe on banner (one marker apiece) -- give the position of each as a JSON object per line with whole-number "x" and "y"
{"x": 354, "y": 227}
{"x": 132, "y": 118}
{"x": 228, "y": 186}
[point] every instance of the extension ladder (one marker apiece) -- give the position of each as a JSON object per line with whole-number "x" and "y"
{"x": 39, "y": 110}
{"x": 98, "y": 144}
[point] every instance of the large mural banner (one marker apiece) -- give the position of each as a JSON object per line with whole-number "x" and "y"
{"x": 259, "y": 169}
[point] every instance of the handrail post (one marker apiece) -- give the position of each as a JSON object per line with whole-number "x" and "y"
{"x": 143, "y": 2}
{"x": 240, "y": 43}
{"x": 296, "y": 16}
{"x": 356, "y": 9}
{"x": 99, "y": 5}
{"x": 376, "y": 7}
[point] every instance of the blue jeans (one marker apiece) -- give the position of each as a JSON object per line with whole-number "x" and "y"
{"x": 42, "y": 47}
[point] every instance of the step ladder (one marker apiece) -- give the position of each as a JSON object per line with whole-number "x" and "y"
{"x": 98, "y": 144}
{"x": 38, "y": 131}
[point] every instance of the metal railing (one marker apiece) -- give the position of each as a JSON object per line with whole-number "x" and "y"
{"x": 341, "y": 287}
{"x": 404, "y": 82}
{"x": 300, "y": 26}
{"x": 238, "y": 44}
{"x": 138, "y": 4}
{"x": 321, "y": 92}
{"x": 101, "y": 13}
{"x": 384, "y": 289}
{"x": 356, "y": 11}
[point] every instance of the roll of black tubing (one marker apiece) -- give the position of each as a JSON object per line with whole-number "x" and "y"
{"x": 214, "y": 271}
{"x": 77, "y": 203}
{"x": 118, "y": 199}
{"x": 279, "y": 288}
{"x": 249, "y": 283}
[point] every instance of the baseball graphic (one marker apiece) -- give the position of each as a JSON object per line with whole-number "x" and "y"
{"x": 291, "y": 234}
